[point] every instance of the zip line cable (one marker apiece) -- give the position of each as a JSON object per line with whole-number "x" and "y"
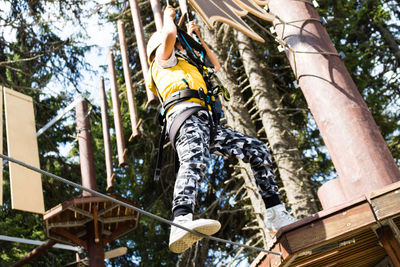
{"x": 155, "y": 217}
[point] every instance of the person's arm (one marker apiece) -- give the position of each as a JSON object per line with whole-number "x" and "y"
{"x": 192, "y": 28}
{"x": 168, "y": 34}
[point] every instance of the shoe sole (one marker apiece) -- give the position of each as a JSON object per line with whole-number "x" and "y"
{"x": 186, "y": 239}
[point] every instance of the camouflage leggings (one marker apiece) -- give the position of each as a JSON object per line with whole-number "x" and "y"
{"x": 194, "y": 148}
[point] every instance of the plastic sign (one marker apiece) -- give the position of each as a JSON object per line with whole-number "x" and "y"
{"x": 231, "y": 13}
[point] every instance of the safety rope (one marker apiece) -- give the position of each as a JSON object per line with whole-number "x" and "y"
{"x": 155, "y": 217}
{"x": 284, "y": 45}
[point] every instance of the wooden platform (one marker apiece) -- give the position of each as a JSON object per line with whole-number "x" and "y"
{"x": 68, "y": 222}
{"x": 359, "y": 233}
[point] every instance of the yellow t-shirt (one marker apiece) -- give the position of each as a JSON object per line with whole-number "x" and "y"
{"x": 170, "y": 80}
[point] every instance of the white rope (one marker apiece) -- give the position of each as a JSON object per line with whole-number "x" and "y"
{"x": 63, "y": 180}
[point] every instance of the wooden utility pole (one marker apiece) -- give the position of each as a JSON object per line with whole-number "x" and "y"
{"x": 358, "y": 150}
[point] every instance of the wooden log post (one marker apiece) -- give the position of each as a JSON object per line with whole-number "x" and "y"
{"x": 106, "y": 134}
{"x": 85, "y": 147}
{"x": 141, "y": 44}
{"x": 130, "y": 91}
{"x": 158, "y": 18}
{"x": 95, "y": 249}
{"x": 117, "y": 112}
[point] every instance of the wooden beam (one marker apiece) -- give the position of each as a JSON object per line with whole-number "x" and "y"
{"x": 118, "y": 219}
{"x": 103, "y": 211}
{"x": 386, "y": 203}
{"x": 67, "y": 224}
{"x": 35, "y": 253}
{"x": 81, "y": 211}
{"x": 69, "y": 236}
{"x": 390, "y": 244}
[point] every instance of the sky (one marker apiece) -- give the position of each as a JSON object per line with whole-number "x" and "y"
{"x": 100, "y": 35}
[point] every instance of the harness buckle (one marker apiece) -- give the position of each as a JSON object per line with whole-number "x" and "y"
{"x": 203, "y": 95}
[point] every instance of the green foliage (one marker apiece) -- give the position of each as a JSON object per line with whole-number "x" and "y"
{"x": 361, "y": 29}
{"x": 31, "y": 55}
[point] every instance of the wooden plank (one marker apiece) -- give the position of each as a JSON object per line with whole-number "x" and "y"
{"x": 386, "y": 205}
{"x": 359, "y": 256}
{"x": 26, "y": 185}
{"x": 330, "y": 227}
{"x": 386, "y": 189}
{"x": 270, "y": 260}
{"x": 1, "y": 145}
{"x": 115, "y": 252}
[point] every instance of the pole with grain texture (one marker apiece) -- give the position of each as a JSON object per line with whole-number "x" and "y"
{"x": 141, "y": 44}
{"x": 106, "y": 135}
{"x": 130, "y": 91}
{"x": 119, "y": 134}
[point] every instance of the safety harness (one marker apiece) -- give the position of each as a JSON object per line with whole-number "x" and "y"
{"x": 204, "y": 65}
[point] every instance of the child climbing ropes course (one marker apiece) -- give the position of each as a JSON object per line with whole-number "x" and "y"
{"x": 192, "y": 125}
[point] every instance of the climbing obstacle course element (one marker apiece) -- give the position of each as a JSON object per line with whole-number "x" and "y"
{"x": 89, "y": 221}
{"x": 68, "y": 222}
{"x": 119, "y": 134}
{"x": 359, "y": 233}
{"x": 141, "y": 44}
{"x": 130, "y": 91}
{"x": 26, "y": 185}
{"x": 106, "y": 135}
{"x": 230, "y": 12}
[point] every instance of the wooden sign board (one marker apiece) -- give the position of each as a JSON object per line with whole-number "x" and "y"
{"x": 231, "y": 13}
{"x": 26, "y": 185}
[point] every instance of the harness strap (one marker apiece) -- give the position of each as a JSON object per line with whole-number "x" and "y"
{"x": 157, "y": 172}
{"x": 182, "y": 95}
{"x": 176, "y": 125}
{"x": 179, "y": 120}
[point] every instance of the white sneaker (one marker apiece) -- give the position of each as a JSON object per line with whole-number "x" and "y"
{"x": 276, "y": 217}
{"x": 180, "y": 240}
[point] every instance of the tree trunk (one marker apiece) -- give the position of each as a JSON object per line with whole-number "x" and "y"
{"x": 283, "y": 144}
{"x": 391, "y": 41}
